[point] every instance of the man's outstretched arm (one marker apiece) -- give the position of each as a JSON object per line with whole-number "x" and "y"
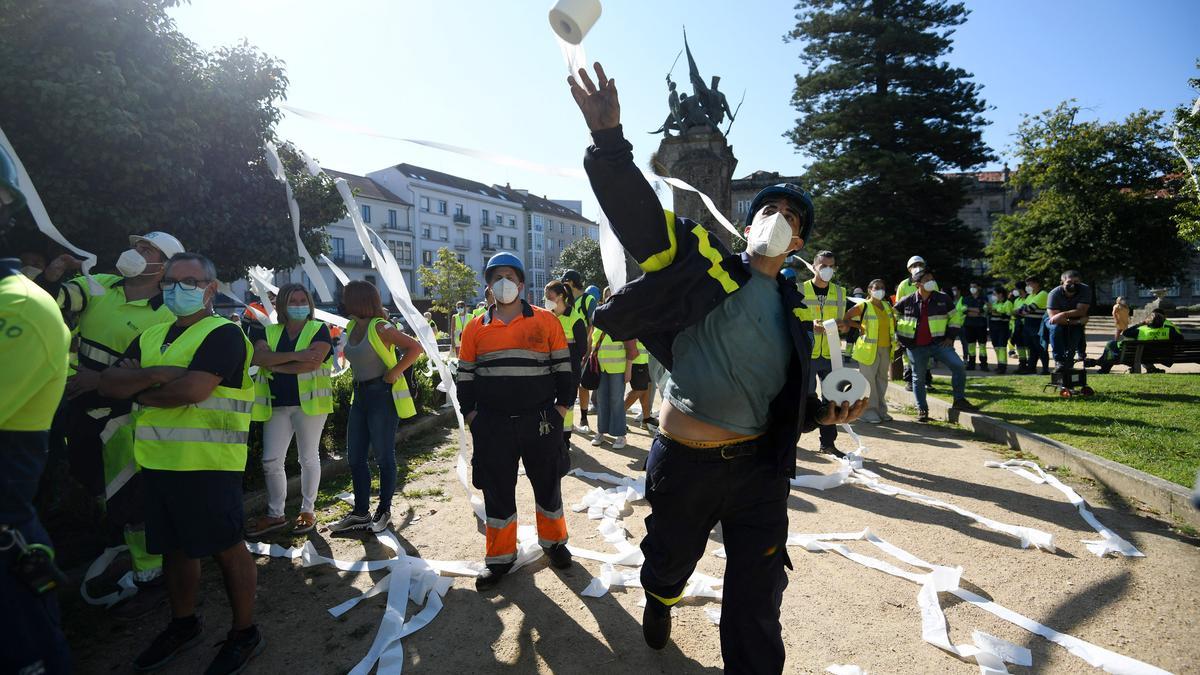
{"x": 630, "y": 203}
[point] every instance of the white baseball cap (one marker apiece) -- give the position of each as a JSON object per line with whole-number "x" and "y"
{"x": 914, "y": 260}
{"x": 162, "y": 241}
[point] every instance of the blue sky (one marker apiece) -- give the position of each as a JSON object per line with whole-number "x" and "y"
{"x": 489, "y": 75}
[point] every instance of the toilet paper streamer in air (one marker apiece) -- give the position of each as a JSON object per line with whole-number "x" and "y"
{"x": 842, "y": 384}
{"x": 1111, "y": 542}
{"x": 306, "y": 260}
{"x": 42, "y": 218}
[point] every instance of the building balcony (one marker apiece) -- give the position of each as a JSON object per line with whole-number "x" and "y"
{"x": 462, "y": 219}
{"x": 462, "y": 244}
{"x": 398, "y": 227}
{"x": 488, "y": 247}
{"x": 486, "y": 225}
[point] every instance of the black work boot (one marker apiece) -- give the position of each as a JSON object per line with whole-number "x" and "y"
{"x": 656, "y": 623}
{"x": 983, "y": 363}
{"x": 560, "y": 556}
{"x": 1002, "y": 368}
{"x": 970, "y": 363}
{"x": 489, "y": 578}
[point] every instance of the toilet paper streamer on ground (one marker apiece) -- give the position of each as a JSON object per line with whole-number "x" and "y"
{"x": 842, "y": 384}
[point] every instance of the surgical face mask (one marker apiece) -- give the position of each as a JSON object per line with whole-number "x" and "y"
{"x": 462, "y": 310}
{"x": 930, "y": 285}
{"x": 1069, "y": 287}
{"x": 184, "y": 301}
{"x": 974, "y": 290}
{"x": 31, "y": 271}
{"x": 1029, "y": 289}
{"x": 995, "y": 298}
{"x": 826, "y": 273}
{"x": 769, "y": 235}
{"x": 877, "y": 294}
{"x": 131, "y": 263}
{"x": 550, "y": 304}
{"x": 504, "y": 290}
{"x": 297, "y": 312}
{"x": 1016, "y": 293}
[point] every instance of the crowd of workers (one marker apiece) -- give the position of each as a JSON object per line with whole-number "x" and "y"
{"x": 156, "y": 411}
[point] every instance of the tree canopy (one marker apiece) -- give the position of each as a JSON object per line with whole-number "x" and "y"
{"x": 583, "y": 256}
{"x": 1098, "y": 197}
{"x": 883, "y": 116}
{"x": 127, "y": 126}
{"x": 1186, "y": 136}
{"x": 447, "y": 281}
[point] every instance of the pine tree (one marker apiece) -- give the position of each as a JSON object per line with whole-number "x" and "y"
{"x": 882, "y": 116}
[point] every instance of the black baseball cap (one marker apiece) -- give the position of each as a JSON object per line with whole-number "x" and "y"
{"x": 574, "y": 277}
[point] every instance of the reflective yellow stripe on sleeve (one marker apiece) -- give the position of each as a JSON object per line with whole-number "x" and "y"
{"x": 661, "y": 259}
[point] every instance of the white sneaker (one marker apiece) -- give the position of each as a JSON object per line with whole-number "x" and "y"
{"x": 381, "y": 521}
{"x": 598, "y": 440}
{"x": 351, "y": 522}
{"x": 638, "y": 418}
{"x": 582, "y": 430}
{"x": 618, "y": 443}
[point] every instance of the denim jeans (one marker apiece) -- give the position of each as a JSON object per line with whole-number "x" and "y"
{"x": 610, "y": 404}
{"x": 373, "y": 423}
{"x": 1032, "y": 329}
{"x": 946, "y": 355}
{"x": 1066, "y": 343}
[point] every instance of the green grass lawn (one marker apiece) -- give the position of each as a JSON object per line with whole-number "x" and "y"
{"x": 1148, "y": 422}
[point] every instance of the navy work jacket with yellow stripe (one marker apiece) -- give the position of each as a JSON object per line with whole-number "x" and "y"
{"x": 687, "y": 273}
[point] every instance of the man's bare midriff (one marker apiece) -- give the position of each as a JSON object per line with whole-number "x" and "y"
{"x": 677, "y": 424}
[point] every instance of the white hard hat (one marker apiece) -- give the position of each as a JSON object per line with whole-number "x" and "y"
{"x": 914, "y": 260}
{"x": 162, "y": 241}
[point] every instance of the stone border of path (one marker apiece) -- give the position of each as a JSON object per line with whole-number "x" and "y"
{"x": 257, "y": 500}
{"x": 1167, "y": 498}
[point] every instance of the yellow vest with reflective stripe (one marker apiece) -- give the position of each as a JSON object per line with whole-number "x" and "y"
{"x": 206, "y": 436}
{"x": 315, "y": 387}
{"x": 110, "y": 323}
{"x": 873, "y": 320}
{"x": 401, "y": 396}
{"x": 1148, "y": 333}
{"x": 568, "y": 322}
{"x": 611, "y": 353}
{"x": 820, "y": 308}
{"x": 643, "y": 356}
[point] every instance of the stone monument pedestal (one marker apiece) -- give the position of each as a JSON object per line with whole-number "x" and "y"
{"x": 703, "y": 159}
{"x": 1160, "y": 302}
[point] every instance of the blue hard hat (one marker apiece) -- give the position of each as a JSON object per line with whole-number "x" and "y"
{"x": 504, "y": 259}
{"x": 789, "y": 274}
{"x": 792, "y": 193}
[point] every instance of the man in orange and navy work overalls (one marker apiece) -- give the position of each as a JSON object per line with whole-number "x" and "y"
{"x": 515, "y": 386}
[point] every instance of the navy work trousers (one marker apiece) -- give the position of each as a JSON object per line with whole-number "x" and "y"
{"x": 688, "y": 496}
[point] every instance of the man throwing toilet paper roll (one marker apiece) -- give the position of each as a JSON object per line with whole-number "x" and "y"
{"x": 728, "y": 329}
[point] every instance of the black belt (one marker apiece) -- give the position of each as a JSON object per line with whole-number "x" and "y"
{"x": 370, "y": 383}
{"x": 718, "y": 453}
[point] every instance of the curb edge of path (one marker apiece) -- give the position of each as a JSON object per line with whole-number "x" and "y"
{"x": 257, "y": 500}
{"x": 1167, "y": 498}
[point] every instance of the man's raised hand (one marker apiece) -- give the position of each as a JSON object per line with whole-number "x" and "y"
{"x": 599, "y": 105}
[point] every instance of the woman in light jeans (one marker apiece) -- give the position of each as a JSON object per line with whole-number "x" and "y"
{"x": 616, "y": 369}
{"x": 876, "y": 322}
{"x": 378, "y": 354}
{"x": 293, "y": 395}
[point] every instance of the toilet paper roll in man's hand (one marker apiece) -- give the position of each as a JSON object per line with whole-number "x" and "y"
{"x": 572, "y": 19}
{"x": 844, "y": 385}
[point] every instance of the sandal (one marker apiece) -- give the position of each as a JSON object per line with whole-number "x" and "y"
{"x": 304, "y": 523}
{"x": 264, "y": 524}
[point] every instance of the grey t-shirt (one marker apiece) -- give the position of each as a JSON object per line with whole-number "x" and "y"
{"x": 1059, "y": 301}
{"x": 730, "y": 366}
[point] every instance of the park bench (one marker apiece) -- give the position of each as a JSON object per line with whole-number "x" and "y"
{"x": 1136, "y": 352}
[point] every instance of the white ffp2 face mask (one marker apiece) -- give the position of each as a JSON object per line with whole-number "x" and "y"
{"x": 504, "y": 290}
{"x": 930, "y": 286}
{"x": 877, "y": 294}
{"x": 769, "y": 235}
{"x": 826, "y": 273}
{"x": 131, "y": 263}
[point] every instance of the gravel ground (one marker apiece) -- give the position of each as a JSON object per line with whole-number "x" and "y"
{"x": 834, "y": 611}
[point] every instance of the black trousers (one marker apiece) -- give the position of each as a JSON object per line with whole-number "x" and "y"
{"x": 688, "y": 496}
{"x": 500, "y": 440}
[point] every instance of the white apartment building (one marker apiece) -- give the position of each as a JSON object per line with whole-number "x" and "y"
{"x": 473, "y": 220}
{"x": 417, "y": 211}
{"x": 383, "y": 212}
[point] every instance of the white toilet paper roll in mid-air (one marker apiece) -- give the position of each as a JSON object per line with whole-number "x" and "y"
{"x": 841, "y": 385}
{"x": 572, "y": 19}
